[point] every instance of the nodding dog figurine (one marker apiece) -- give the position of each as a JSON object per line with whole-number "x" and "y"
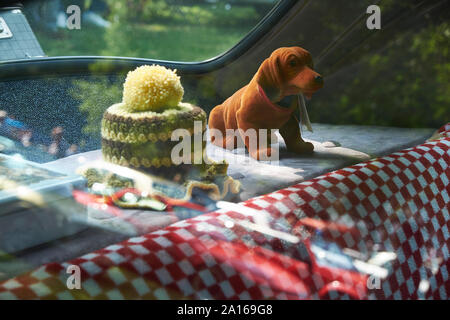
{"x": 258, "y": 105}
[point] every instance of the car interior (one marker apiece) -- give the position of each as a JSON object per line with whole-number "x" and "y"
{"x": 378, "y": 174}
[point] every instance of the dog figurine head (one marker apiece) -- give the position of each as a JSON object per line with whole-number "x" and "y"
{"x": 288, "y": 71}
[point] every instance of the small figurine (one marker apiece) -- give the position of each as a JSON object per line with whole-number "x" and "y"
{"x": 137, "y": 133}
{"x": 259, "y": 105}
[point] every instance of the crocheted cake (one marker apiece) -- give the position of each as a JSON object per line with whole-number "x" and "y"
{"x": 137, "y": 132}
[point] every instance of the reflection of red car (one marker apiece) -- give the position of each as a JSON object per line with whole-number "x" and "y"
{"x": 329, "y": 230}
{"x": 321, "y": 225}
{"x": 322, "y": 270}
{"x": 375, "y": 263}
{"x": 337, "y": 269}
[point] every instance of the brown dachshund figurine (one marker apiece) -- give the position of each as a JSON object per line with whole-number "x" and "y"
{"x": 258, "y": 105}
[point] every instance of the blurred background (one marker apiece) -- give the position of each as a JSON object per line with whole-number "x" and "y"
{"x": 179, "y": 30}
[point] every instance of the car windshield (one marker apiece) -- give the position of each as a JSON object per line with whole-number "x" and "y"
{"x": 205, "y": 141}
{"x": 164, "y": 30}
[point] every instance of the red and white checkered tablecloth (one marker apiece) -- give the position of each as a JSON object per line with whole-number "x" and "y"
{"x": 398, "y": 203}
{"x": 445, "y": 129}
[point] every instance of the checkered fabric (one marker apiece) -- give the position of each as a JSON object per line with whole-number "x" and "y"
{"x": 445, "y": 129}
{"x": 443, "y": 132}
{"x": 398, "y": 203}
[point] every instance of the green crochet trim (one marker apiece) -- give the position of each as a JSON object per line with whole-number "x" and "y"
{"x": 143, "y": 155}
{"x": 118, "y": 124}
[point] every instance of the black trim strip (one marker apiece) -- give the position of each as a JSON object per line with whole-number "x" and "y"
{"x": 73, "y": 65}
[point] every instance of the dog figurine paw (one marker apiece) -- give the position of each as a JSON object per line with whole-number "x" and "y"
{"x": 260, "y": 104}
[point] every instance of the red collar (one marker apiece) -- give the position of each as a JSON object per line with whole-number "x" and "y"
{"x": 271, "y": 104}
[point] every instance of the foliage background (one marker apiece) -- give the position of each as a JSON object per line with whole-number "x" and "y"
{"x": 403, "y": 82}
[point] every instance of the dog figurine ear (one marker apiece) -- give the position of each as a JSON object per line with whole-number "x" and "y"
{"x": 270, "y": 79}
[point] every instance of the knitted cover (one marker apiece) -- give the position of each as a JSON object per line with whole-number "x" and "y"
{"x": 143, "y": 139}
{"x": 400, "y": 202}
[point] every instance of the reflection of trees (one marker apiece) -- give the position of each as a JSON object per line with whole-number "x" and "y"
{"x": 407, "y": 84}
{"x": 95, "y": 97}
{"x": 398, "y": 76}
{"x": 220, "y": 13}
{"x": 175, "y": 30}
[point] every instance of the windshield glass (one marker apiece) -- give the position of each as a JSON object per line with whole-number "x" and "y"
{"x": 224, "y": 133}
{"x": 159, "y": 29}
